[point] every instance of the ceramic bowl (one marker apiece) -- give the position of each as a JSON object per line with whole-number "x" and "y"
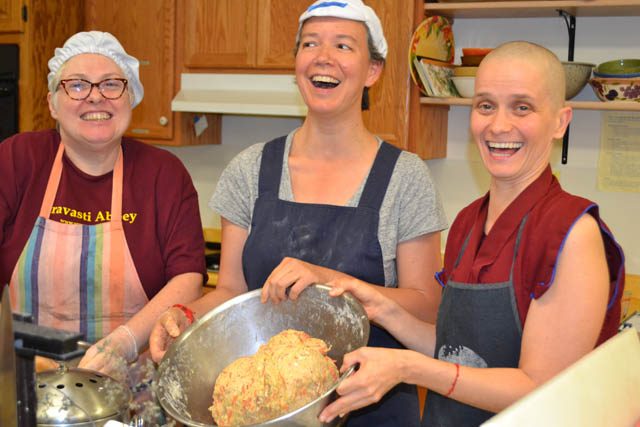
{"x": 615, "y": 76}
{"x": 576, "y": 77}
{"x": 462, "y": 70}
{"x": 464, "y": 85}
{"x": 621, "y": 89}
{"x": 471, "y": 60}
{"x": 482, "y": 51}
{"x": 619, "y": 66}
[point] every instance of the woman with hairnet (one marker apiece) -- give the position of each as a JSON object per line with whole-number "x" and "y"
{"x": 330, "y": 199}
{"x": 98, "y": 233}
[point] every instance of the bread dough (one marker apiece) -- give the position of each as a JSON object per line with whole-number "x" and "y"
{"x": 286, "y": 373}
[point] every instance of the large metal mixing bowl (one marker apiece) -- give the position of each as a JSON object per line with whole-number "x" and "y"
{"x": 188, "y": 371}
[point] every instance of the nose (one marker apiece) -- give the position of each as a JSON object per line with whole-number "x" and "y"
{"x": 94, "y": 95}
{"x": 500, "y": 121}
{"x": 323, "y": 55}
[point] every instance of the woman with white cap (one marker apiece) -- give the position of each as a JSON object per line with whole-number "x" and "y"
{"x": 330, "y": 199}
{"x": 98, "y": 233}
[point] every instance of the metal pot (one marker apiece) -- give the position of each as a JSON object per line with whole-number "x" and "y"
{"x": 80, "y": 397}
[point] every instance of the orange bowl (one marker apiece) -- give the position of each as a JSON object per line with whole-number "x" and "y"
{"x": 476, "y": 51}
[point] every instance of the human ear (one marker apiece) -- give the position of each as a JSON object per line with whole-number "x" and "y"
{"x": 374, "y": 72}
{"x": 52, "y": 106}
{"x": 563, "y": 118}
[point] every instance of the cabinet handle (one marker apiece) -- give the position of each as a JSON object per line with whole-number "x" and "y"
{"x": 139, "y": 131}
{"x": 163, "y": 121}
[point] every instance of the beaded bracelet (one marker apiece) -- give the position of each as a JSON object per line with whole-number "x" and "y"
{"x": 187, "y": 312}
{"x": 455, "y": 380}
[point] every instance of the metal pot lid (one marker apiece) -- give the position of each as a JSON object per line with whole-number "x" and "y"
{"x": 73, "y": 396}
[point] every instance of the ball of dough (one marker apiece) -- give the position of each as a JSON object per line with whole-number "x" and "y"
{"x": 286, "y": 373}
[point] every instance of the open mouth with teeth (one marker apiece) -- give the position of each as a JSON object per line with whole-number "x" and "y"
{"x": 96, "y": 116}
{"x": 324, "y": 82}
{"x": 503, "y": 149}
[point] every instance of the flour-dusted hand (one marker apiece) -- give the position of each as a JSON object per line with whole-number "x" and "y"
{"x": 297, "y": 275}
{"x": 379, "y": 371}
{"x": 112, "y": 354}
{"x": 167, "y": 328}
{"x": 374, "y": 302}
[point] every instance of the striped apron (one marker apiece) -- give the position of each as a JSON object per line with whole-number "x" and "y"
{"x": 78, "y": 277}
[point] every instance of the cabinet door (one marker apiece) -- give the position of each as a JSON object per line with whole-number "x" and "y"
{"x": 277, "y": 28}
{"x": 10, "y": 16}
{"x": 146, "y": 30}
{"x": 219, "y": 33}
{"x": 388, "y": 116}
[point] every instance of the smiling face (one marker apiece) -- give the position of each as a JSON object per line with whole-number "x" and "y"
{"x": 333, "y": 65}
{"x": 516, "y": 114}
{"x": 95, "y": 123}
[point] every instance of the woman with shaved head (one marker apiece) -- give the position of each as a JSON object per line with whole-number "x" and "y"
{"x": 532, "y": 276}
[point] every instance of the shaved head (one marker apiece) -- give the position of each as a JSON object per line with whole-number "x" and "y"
{"x": 547, "y": 62}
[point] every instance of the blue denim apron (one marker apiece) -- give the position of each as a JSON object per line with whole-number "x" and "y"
{"x": 478, "y": 325}
{"x": 337, "y": 237}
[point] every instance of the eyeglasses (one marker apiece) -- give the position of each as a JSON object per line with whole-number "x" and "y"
{"x": 80, "y": 89}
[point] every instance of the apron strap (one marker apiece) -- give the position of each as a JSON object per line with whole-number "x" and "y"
{"x": 517, "y": 245}
{"x": 379, "y": 176}
{"x": 52, "y": 184}
{"x": 117, "y": 185}
{"x": 271, "y": 166}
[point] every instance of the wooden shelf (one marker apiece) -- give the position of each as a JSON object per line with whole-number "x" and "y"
{"x": 534, "y": 9}
{"x": 577, "y": 105}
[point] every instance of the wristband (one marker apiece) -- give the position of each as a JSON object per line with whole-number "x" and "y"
{"x": 187, "y": 312}
{"x": 455, "y": 380}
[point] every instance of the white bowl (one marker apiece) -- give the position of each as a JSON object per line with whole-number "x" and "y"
{"x": 464, "y": 85}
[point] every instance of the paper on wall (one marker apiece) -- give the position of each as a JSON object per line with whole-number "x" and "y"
{"x": 619, "y": 163}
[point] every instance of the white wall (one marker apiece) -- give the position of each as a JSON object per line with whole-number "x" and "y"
{"x": 461, "y": 177}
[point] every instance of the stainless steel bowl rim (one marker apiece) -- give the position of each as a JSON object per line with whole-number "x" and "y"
{"x": 186, "y": 352}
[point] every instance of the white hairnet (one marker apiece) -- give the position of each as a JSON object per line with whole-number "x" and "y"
{"x": 104, "y": 44}
{"x": 354, "y": 10}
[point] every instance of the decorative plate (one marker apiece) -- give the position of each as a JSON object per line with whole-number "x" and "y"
{"x": 432, "y": 39}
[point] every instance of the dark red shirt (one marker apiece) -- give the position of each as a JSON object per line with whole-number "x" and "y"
{"x": 551, "y": 214}
{"x": 160, "y": 205}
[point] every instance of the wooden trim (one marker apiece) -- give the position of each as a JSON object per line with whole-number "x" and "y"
{"x": 534, "y": 9}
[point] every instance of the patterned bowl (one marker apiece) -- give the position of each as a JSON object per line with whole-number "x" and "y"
{"x": 576, "y": 77}
{"x": 613, "y": 89}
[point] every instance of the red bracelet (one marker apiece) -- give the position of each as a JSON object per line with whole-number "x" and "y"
{"x": 455, "y": 380}
{"x": 187, "y": 312}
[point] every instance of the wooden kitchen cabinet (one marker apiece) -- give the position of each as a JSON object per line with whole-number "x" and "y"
{"x": 44, "y": 26}
{"x": 218, "y": 38}
{"x": 395, "y": 114}
{"x": 11, "y": 16}
{"x": 146, "y": 29}
{"x": 240, "y": 34}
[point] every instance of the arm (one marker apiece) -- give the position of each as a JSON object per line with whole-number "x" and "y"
{"x": 230, "y": 284}
{"x": 418, "y": 292}
{"x": 128, "y": 340}
{"x": 545, "y": 351}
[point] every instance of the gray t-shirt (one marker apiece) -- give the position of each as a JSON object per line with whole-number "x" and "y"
{"x": 411, "y": 207}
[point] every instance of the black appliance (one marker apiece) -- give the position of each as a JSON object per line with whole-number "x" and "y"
{"x": 9, "y": 72}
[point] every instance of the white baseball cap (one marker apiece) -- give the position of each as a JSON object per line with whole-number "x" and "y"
{"x": 103, "y": 44}
{"x": 354, "y": 10}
